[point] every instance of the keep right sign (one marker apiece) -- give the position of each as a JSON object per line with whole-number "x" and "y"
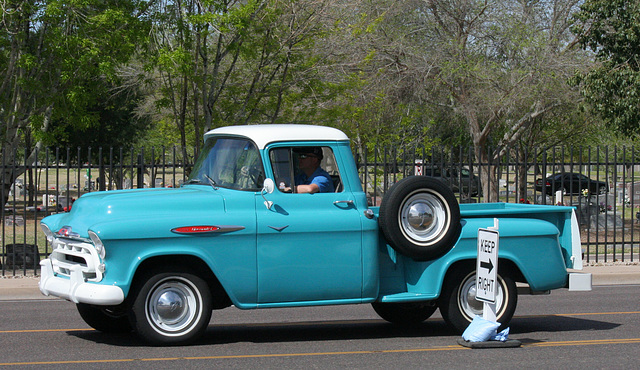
{"x": 487, "y": 265}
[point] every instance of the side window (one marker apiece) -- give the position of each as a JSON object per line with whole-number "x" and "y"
{"x": 281, "y": 159}
{"x": 293, "y": 166}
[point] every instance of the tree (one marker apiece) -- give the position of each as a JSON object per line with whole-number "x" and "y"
{"x": 378, "y": 103}
{"x": 611, "y": 30}
{"x": 56, "y": 59}
{"x": 489, "y": 73}
{"x": 501, "y": 66}
{"x": 116, "y": 126}
{"x": 234, "y": 62}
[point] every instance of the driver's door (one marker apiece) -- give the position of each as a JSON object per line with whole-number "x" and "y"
{"x": 309, "y": 245}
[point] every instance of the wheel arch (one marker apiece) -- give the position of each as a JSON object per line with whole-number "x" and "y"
{"x": 191, "y": 263}
{"x": 505, "y": 267}
{"x": 455, "y": 301}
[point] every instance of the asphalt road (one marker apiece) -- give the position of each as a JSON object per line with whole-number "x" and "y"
{"x": 598, "y": 329}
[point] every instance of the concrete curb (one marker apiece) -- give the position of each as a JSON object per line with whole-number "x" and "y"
{"x": 26, "y": 287}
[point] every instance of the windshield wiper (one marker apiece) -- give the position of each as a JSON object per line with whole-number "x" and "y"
{"x": 191, "y": 181}
{"x": 211, "y": 182}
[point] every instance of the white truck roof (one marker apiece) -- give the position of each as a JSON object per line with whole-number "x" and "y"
{"x": 265, "y": 134}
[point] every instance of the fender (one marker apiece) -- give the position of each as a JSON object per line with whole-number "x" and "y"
{"x": 518, "y": 237}
{"x": 237, "y": 277}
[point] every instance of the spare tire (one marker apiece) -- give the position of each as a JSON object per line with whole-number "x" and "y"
{"x": 420, "y": 217}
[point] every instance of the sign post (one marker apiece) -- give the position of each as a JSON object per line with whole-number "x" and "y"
{"x": 487, "y": 286}
{"x": 487, "y": 270}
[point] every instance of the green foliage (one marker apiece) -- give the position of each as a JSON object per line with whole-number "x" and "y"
{"x": 228, "y": 63}
{"x": 611, "y": 29}
{"x": 112, "y": 123}
{"x": 67, "y": 54}
{"x": 383, "y": 71}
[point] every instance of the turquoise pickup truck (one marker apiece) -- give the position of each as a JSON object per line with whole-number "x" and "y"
{"x": 241, "y": 232}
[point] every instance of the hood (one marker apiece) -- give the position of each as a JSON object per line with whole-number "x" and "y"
{"x": 135, "y": 213}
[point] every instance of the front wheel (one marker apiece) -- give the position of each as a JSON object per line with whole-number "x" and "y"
{"x": 171, "y": 308}
{"x": 459, "y": 306}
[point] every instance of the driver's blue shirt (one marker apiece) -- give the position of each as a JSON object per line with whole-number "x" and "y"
{"x": 319, "y": 177}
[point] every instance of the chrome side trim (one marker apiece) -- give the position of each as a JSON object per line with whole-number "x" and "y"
{"x": 206, "y": 229}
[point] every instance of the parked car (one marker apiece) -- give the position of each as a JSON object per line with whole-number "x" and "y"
{"x": 454, "y": 177}
{"x": 570, "y": 183}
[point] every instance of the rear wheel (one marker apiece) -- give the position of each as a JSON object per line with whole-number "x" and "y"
{"x": 459, "y": 306}
{"x": 410, "y": 313}
{"x": 171, "y": 307}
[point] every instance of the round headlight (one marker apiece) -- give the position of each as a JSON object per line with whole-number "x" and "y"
{"x": 98, "y": 244}
{"x": 47, "y": 233}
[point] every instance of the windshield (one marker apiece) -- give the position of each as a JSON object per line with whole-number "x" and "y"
{"x": 230, "y": 163}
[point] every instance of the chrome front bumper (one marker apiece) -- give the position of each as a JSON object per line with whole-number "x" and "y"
{"x": 75, "y": 288}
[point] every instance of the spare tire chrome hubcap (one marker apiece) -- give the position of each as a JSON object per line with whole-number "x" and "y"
{"x": 423, "y": 217}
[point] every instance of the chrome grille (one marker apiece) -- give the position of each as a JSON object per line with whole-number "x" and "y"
{"x": 68, "y": 253}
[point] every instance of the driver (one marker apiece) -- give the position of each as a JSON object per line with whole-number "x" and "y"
{"x": 312, "y": 178}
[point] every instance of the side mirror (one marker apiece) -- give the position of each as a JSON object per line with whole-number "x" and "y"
{"x": 268, "y": 187}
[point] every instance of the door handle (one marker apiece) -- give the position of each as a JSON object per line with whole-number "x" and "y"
{"x": 343, "y": 201}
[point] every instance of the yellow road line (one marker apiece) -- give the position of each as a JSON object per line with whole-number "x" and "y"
{"x": 581, "y": 314}
{"x": 223, "y": 357}
{"x": 596, "y": 313}
{"x": 42, "y": 330}
{"x": 583, "y": 342}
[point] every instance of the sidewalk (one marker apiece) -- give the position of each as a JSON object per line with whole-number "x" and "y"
{"x": 614, "y": 273}
{"x": 20, "y": 288}
{"x": 26, "y": 287}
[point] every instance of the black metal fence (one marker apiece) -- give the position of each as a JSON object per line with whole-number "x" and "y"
{"x": 606, "y": 194}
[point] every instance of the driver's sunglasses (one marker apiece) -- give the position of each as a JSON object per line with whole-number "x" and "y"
{"x": 305, "y": 156}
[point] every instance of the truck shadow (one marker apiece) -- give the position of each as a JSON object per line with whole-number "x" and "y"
{"x": 338, "y": 330}
{"x": 322, "y": 331}
{"x": 286, "y": 332}
{"x": 557, "y": 323}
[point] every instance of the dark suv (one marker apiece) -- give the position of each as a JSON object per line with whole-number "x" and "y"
{"x": 454, "y": 177}
{"x": 570, "y": 183}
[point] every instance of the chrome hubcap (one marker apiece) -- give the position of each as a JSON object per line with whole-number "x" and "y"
{"x": 420, "y": 217}
{"x": 467, "y": 302}
{"x": 173, "y": 305}
{"x": 423, "y": 217}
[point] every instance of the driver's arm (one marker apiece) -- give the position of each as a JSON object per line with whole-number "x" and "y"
{"x": 311, "y": 188}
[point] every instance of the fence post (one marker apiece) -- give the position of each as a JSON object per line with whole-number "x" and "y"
{"x": 140, "y": 168}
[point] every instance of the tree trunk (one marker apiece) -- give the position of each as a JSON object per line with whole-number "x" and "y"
{"x": 8, "y": 176}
